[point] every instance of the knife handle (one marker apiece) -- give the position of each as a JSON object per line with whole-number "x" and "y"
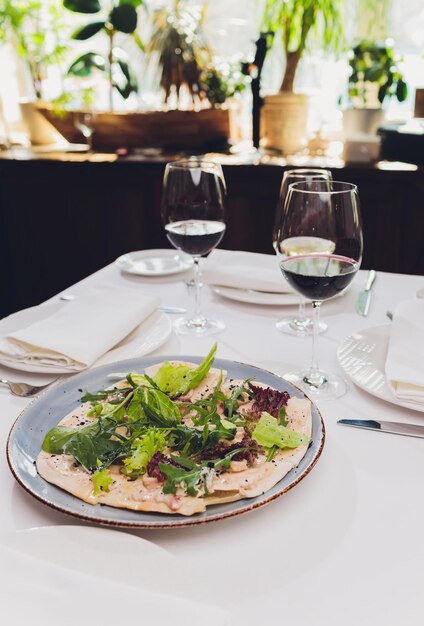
{"x": 370, "y": 280}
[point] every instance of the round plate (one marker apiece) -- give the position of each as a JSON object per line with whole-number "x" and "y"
{"x": 363, "y": 357}
{"x": 51, "y": 406}
{"x": 35, "y": 556}
{"x": 256, "y": 297}
{"x": 154, "y": 262}
{"x": 146, "y": 337}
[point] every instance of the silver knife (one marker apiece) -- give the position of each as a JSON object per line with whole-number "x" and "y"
{"x": 364, "y": 298}
{"x": 395, "y": 428}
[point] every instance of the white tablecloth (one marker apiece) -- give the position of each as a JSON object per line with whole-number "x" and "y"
{"x": 345, "y": 547}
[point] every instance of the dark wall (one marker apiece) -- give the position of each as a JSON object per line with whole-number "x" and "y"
{"x": 61, "y": 221}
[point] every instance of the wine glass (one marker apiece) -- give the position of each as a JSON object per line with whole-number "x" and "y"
{"x": 327, "y": 211}
{"x": 299, "y": 325}
{"x": 193, "y": 213}
{"x": 85, "y": 121}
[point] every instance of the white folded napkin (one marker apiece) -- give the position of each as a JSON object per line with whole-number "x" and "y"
{"x": 38, "y": 592}
{"x": 76, "y": 335}
{"x": 404, "y": 363}
{"x": 245, "y": 270}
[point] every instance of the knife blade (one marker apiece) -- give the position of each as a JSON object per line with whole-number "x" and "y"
{"x": 395, "y": 428}
{"x": 364, "y": 298}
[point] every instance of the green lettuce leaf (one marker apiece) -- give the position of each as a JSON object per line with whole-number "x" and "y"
{"x": 142, "y": 450}
{"x": 102, "y": 480}
{"x": 268, "y": 432}
{"x": 176, "y": 381}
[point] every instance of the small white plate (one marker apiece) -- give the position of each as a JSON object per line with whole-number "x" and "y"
{"x": 363, "y": 357}
{"x": 256, "y": 297}
{"x": 148, "y": 336}
{"x": 51, "y": 565}
{"x": 154, "y": 262}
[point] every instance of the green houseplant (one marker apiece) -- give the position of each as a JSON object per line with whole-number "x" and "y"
{"x": 374, "y": 78}
{"x": 185, "y": 59}
{"x": 374, "y": 75}
{"x": 296, "y": 23}
{"x": 121, "y": 17}
{"x": 37, "y": 34}
{"x": 36, "y": 30}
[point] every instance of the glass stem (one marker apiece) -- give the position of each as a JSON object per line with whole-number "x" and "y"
{"x": 314, "y": 376}
{"x": 197, "y": 319}
{"x": 90, "y": 142}
{"x": 196, "y": 287}
{"x": 302, "y": 309}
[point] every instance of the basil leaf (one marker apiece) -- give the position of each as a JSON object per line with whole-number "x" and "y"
{"x": 87, "y": 449}
{"x": 58, "y": 437}
{"x": 159, "y": 408}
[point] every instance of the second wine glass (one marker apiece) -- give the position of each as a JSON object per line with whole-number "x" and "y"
{"x": 329, "y": 212}
{"x": 300, "y": 324}
{"x": 193, "y": 213}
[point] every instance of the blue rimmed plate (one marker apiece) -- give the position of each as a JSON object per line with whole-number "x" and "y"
{"x": 51, "y": 406}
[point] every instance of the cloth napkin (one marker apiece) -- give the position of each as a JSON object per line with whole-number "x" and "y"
{"x": 245, "y": 270}
{"x": 404, "y": 363}
{"x": 82, "y": 330}
{"x": 38, "y": 592}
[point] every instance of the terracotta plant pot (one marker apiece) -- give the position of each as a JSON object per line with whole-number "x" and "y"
{"x": 284, "y": 119}
{"x": 180, "y": 129}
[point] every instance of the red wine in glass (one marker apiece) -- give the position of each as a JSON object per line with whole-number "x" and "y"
{"x": 319, "y": 276}
{"x": 196, "y": 237}
{"x": 324, "y": 212}
{"x": 298, "y": 325}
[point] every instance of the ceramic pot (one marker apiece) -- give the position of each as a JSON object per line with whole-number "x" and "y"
{"x": 284, "y": 119}
{"x": 362, "y": 121}
{"x": 40, "y": 130}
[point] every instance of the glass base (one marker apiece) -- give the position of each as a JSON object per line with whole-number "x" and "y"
{"x": 197, "y": 327}
{"x": 299, "y": 326}
{"x": 319, "y": 386}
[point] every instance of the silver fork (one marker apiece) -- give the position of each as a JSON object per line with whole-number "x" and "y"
{"x": 24, "y": 389}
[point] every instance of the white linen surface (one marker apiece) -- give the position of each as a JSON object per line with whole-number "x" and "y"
{"x": 245, "y": 270}
{"x": 81, "y": 331}
{"x": 38, "y": 592}
{"x": 405, "y": 356}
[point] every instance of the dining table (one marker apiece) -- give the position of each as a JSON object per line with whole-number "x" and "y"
{"x": 344, "y": 546}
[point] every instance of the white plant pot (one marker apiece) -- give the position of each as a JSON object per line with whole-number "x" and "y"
{"x": 361, "y": 122}
{"x": 40, "y": 131}
{"x": 284, "y": 119}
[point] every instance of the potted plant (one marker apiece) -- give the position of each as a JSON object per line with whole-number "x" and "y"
{"x": 121, "y": 17}
{"x": 374, "y": 78}
{"x": 194, "y": 88}
{"x": 184, "y": 64}
{"x": 118, "y": 17}
{"x": 36, "y": 32}
{"x": 296, "y": 23}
